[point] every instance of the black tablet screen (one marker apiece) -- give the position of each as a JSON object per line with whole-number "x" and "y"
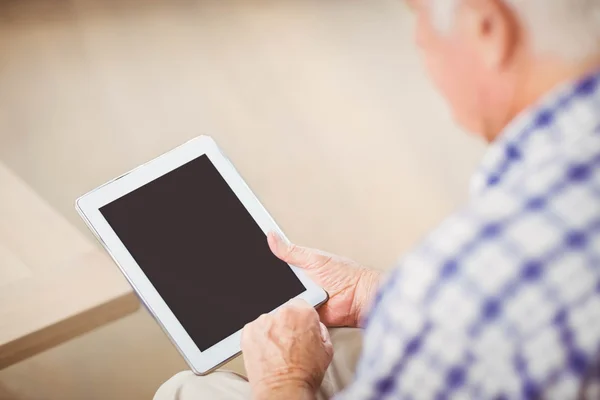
{"x": 202, "y": 251}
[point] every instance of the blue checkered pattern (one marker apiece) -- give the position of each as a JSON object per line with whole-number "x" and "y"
{"x": 502, "y": 301}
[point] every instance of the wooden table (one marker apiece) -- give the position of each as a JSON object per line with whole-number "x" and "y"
{"x": 54, "y": 283}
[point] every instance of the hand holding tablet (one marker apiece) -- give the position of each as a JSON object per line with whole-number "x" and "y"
{"x": 170, "y": 224}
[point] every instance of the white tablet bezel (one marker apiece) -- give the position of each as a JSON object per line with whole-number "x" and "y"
{"x": 88, "y": 206}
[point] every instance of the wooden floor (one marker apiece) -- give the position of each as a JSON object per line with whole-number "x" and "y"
{"x": 321, "y": 105}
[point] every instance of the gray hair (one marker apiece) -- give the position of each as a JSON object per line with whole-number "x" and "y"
{"x": 566, "y": 28}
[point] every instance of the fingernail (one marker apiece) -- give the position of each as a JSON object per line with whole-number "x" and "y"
{"x": 280, "y": 242}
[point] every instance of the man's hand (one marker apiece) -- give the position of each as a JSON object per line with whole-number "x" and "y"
{"x": 286, "y": 354}
{"x": 350, "y": 286}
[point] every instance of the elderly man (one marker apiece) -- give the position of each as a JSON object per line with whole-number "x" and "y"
{"x": 503, "y": 299}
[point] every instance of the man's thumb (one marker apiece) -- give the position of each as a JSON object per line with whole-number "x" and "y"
{"x": 292, "y": 254}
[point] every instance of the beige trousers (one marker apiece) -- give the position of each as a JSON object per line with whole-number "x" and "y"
{"x": 223, "y": 385}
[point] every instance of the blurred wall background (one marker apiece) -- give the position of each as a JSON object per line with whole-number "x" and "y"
{"x": 321, "y": 104}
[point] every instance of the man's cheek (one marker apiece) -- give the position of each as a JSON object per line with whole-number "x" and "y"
{"x": 453, "y": 85}
{"x": 438, "y": 72}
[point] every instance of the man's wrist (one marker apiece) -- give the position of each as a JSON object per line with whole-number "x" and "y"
{"x": 292, "y": 389}
{"x": 367, "y": 288}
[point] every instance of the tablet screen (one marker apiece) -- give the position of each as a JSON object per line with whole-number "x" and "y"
{"x": 202, "y": 251}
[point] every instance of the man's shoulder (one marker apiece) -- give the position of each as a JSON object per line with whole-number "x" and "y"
{"x": 554, "y": 212}
{"x": 556, "y": 196}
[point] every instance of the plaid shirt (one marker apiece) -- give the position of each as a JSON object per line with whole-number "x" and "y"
{"x": 502, "y": 301}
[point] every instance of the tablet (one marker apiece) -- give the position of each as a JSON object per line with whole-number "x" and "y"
{"x": 190, "y": 237}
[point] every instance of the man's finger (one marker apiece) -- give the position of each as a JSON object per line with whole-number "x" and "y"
{"x": 299, "y": 303}
{"x": 326, "y": 338}
{"x": 324, "y": 333}
{"x": 299, "y": 256}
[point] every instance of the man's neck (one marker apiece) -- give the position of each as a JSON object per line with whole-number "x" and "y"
{"x": 540, "y": 79}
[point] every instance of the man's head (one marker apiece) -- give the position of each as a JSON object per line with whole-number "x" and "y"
{"x": 493, "y": 58}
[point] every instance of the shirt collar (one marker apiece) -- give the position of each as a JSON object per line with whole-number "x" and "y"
{"x": 535, "y": 131}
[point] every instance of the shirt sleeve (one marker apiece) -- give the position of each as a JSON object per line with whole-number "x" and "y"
{"x": 479, "y": 310}
{"x": 415, "y": 338}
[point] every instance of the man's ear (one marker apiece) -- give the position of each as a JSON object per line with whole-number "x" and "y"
{"x": 491, "y": 28}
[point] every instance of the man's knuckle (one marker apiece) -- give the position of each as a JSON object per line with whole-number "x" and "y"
{"x": 326, "y": 260}
{"x": 262, "y": 319}
{"x": 304, "y": 308}
{"x": 249, "y": 327}
{"x": 301, "y": 256}
{"x": 286, "y": 311}
{"x": 295, "y": 253}
{"x": 304, "y": 312}
{"x": 246, "y": 332}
